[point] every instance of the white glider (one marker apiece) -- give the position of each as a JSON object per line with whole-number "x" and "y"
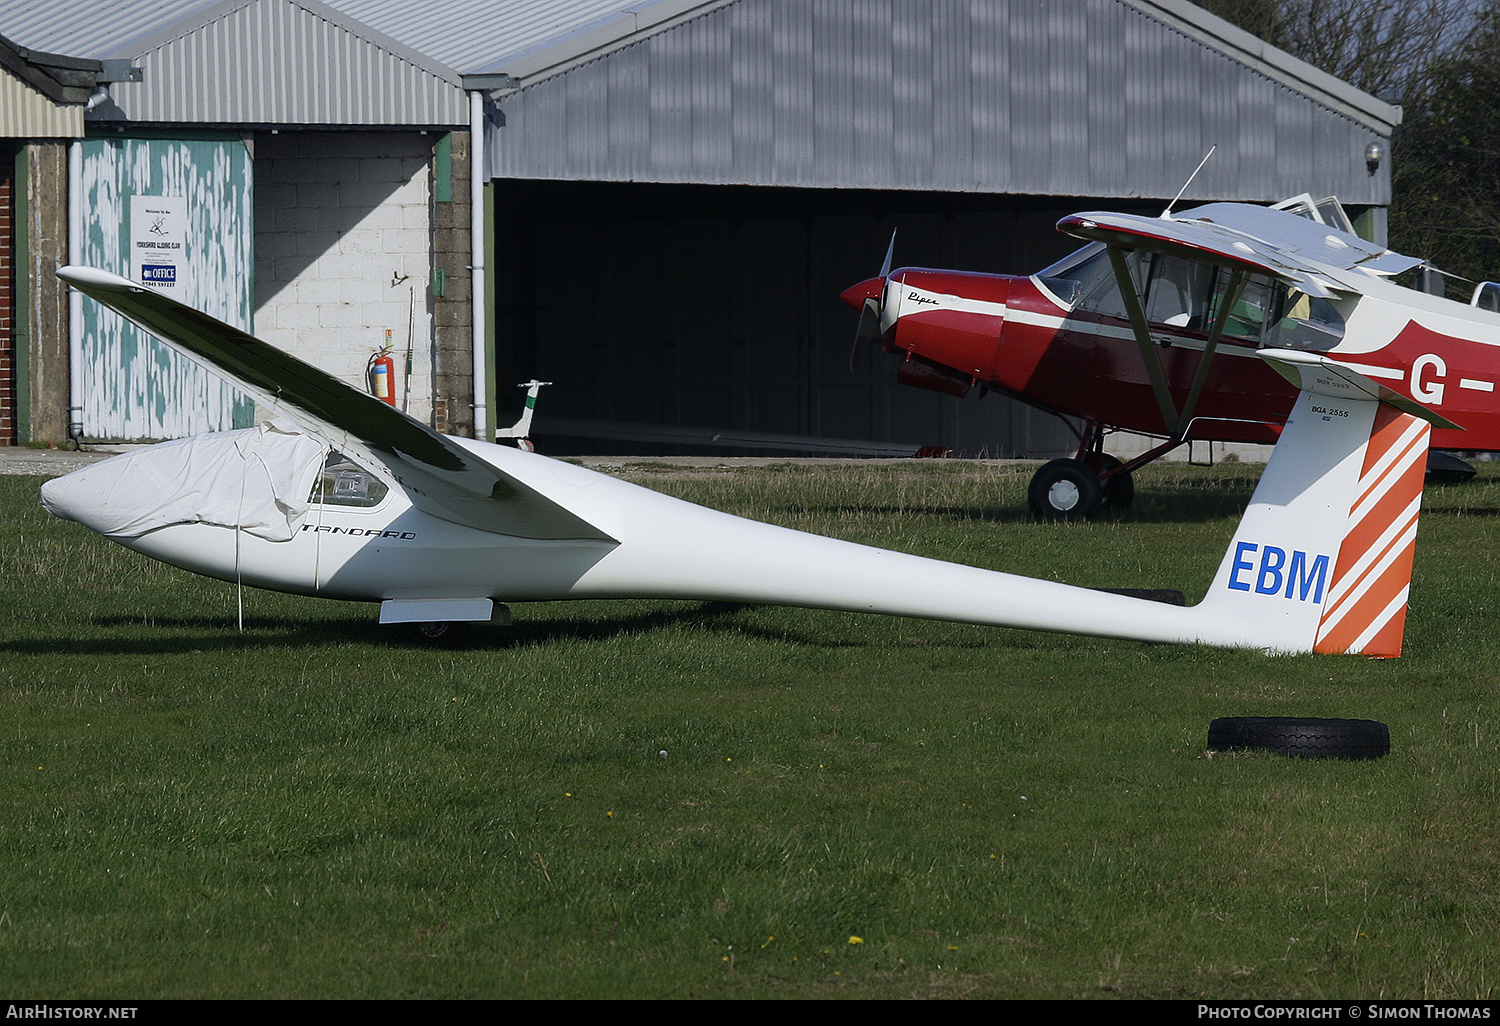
{"x": 343, "y": 496}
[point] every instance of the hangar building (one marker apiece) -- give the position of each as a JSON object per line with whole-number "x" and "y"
{"x": 653, "y": 204}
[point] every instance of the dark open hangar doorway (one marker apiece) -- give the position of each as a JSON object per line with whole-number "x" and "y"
{"x": 665, "y": 314}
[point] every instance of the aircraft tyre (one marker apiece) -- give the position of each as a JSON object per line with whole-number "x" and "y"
{"x": 439, "y": 633}
{"x": 1444, "y": 468}
{"x": 1065, "y": 490}
{"x": 1119, "y": 491}
{"x": 1307, "y": 738}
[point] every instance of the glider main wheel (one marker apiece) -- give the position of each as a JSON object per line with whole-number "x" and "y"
{"x": 1119, "y": 491}
{"x": 1306, "y": 738}
{"x": 1065, "y": 490}
{"x": 439, "y": 633}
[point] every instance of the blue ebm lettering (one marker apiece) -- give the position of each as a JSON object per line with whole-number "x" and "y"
{"x": 1300, "y": 573}
{"x": 1302, "y": 578}
{"x": 1272, "y": 560}
{"x": 1241, "y": 563}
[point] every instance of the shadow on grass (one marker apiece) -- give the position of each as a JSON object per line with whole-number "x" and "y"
{"x": 215, "y": 633}
{"x": 1152, "y": 506}
{"x": 1220, "y": 499}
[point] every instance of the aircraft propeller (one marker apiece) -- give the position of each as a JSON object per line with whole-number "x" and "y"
{"x": 870, "y": 292}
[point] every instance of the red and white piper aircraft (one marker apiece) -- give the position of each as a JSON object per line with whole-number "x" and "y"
{"x": 343, "y": 496}
{"x": 1156, "y": 326}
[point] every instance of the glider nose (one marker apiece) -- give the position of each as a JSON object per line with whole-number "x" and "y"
{"x": 109, "y": 495}
{"x": 71, "y": 497}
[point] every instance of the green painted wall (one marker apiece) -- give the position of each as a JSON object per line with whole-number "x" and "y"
{"x": 135, "y": 388}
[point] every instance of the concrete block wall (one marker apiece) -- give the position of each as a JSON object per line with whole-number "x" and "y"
{"x": 453, "y": 312}
{"x": 343, "y": 252}
{"x": 46, "y": 227}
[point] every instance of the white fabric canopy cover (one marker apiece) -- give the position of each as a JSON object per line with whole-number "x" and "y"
{"x": 257, "y": 479}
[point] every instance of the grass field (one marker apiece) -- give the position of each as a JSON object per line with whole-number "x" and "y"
{"x": 647, "y": 799}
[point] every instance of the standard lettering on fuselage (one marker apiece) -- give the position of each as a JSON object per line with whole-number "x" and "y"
{"x": 1300, "y": 577}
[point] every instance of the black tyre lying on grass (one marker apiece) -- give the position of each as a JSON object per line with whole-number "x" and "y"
{"x": 1306, "y": 738}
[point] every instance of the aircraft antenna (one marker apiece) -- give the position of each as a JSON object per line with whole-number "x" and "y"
{"x": 1210, "y": 153}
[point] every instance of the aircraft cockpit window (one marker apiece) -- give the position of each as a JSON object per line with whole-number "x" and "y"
{"x": 1307, "y": 323}
{"x": 1185, "y": 294}
{"x": 1247, "y": 319}
{"x": 1066, "y": 290}
{"x": 345, "y": 483}
{"x": 1096, "y": 284}
{"x": 1180, "y": 293}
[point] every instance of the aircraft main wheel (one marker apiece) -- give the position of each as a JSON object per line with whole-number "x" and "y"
{"x": 440, "y": 633}
{"x": 1065, "y": 490}
{"x": 1119, "y": 491}
{"x": 1307, "y": 738}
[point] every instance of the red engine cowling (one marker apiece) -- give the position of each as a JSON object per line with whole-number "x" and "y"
{"x": 950, "y": 319}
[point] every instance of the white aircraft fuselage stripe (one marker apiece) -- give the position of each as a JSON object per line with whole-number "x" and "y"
{"x": 1388, "y": 373}
{"x": 1055, "y": 323}
{"x": 926, "y": 300}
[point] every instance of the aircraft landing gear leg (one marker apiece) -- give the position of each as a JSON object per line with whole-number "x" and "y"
{"x": 1119, "y": 488}
{"x": 1065, "y": 490}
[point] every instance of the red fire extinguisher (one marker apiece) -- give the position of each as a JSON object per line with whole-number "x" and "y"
{"x": 382, "y": 370}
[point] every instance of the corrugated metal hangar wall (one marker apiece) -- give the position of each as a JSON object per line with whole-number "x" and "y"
{"x": 1101, "y": 98}
{"x": 676, "y": 217}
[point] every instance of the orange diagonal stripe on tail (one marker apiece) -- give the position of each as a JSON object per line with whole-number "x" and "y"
{"x": 1366, "y": 607}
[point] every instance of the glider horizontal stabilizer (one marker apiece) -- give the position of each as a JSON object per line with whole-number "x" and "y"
{"x": 441, "y": 477}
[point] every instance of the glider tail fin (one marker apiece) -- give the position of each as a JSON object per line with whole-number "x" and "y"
{"x": 1365, "y": 610}
{"x": 1322, "y": 559}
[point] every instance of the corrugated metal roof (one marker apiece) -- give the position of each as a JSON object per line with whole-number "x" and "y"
{"x": 281, "y": 62}
{"x": 1073, "y": 97}
{"x": 484, "y": 36}
{"x": 92, "y": 29}
{"x": 468, "y": 36}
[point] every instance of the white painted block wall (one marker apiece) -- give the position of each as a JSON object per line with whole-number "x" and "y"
{"x": 343, "y": 252}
